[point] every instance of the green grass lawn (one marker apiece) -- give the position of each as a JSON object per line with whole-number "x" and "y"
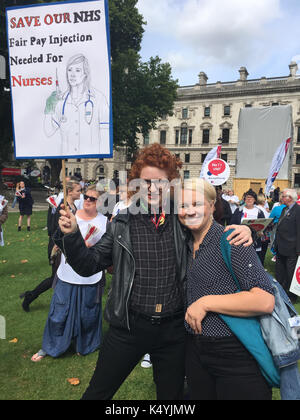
{"x": 21, "y": 379}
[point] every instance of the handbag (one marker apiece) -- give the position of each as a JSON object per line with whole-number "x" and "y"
{"x": 248, "y": 330}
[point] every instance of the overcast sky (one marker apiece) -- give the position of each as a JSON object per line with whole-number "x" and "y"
{"x": 218, "y": 37}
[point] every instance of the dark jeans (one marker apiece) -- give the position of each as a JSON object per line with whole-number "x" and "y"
{"x": 121, "y": 350}
{"x": 222, "y": 369}
{"x": 285, "y": 267}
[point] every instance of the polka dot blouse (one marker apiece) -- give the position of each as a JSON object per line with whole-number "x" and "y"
{"x": 208, "y": 275}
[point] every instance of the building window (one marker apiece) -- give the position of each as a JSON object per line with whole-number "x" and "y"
{"x": 275, "y": 104}
{"x": 190, "y": 136}
{"x": 186, "y": 174}
{"x": 100, "y": 170}
{"x": 177, "y": 155}
{"x": 163, "y": 137}
{"x": 77, "y": 173}
{"x": 224, "y": 156}
{"x": 78, "y": 160}
{"x": 298, "y": 134}
{"x": 248, "y": 106}
{"x": 203, "y": 157}
{"x": 297, "y": 181}
{"x": 187, "y": 158}
{"x": 177, "y": 134}
{"x": 297, "y": 159}
{"x": 205, "y": 136}
{"x": 183, "y": 135}
{"x": 225, "y": 135}
{"x": 227, "y": 110}
{"x": 146, "y": 139}
{"x": 185, "y": 113}
{"x": 207, "y": 111}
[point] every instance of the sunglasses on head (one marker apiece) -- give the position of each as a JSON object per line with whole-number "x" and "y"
{"x": 88, "y": 197}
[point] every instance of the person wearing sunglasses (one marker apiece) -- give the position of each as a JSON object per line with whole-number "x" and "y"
{"x": 75, "y": 313}
{"x": 145, "y": 305}
{"x": 89, "y": 198}
{"x": 54, "y": 254}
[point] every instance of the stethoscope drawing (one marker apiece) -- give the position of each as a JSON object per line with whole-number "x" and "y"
{"x": 88, "y": 109}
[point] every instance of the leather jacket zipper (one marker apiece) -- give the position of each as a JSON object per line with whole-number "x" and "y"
{"x": 131, "y": 282}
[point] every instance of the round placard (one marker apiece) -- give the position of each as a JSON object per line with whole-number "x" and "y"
{"x": 298, "y": 275}
{"x": 217, "y": 172}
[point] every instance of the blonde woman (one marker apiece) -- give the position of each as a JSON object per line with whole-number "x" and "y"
{"x": 218, "y": 366}
{"x": 25, "y": 205}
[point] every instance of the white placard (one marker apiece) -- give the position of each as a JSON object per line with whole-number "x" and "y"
{"x": 59, "y": 59}
{"x": 295, "y": 285}
{"x": 216, "y": 172}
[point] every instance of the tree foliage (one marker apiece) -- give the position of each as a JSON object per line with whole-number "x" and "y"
{"x": 141, "y": 92}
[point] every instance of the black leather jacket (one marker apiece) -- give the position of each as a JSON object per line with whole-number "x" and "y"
{"x": 115, "y": 249}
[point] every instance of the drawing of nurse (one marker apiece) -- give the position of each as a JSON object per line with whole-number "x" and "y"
{"x": 81, "y": 114}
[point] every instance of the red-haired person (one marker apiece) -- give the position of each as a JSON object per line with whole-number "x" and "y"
{"x": 147, "y": 246}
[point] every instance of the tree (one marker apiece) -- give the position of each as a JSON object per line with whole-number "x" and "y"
{"x": 141, "y": 92}
{"x": 55, "y": 165}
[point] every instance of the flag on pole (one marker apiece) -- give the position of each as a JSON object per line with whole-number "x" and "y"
{"x": 277, "y": 162}
{"x": 213, "y": 154}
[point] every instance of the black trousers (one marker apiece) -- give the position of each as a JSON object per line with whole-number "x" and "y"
{"x": 285, "y": 268}
{"x": 45, "y": 284}
{"x": 222, "y": 369}
{"x": 262, "y": 254}
{"x": 121, "y": 350}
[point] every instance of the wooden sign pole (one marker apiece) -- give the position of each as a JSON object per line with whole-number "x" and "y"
{"x": 64, "y": 183}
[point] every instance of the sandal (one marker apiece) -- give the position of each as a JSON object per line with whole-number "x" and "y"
{"x": 37, "y": 357}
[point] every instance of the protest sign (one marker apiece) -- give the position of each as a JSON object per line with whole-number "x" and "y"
{"x": 276, "y": 165}
{"x": 216, "y": 172}
{"x": 59, "y": 60}
{"x": 295, "y": 285}
{"x": 257, "y": 224}
{"x": 213, "y": 154}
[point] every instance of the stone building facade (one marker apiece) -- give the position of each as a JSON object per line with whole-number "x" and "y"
{"x": 204, "y": 116}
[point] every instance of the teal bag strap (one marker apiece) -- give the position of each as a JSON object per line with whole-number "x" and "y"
{"x": 248, "y": 330}
{"x": 226, "y": 253}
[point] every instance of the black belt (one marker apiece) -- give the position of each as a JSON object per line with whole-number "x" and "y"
{"x": 156, "y": 319}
